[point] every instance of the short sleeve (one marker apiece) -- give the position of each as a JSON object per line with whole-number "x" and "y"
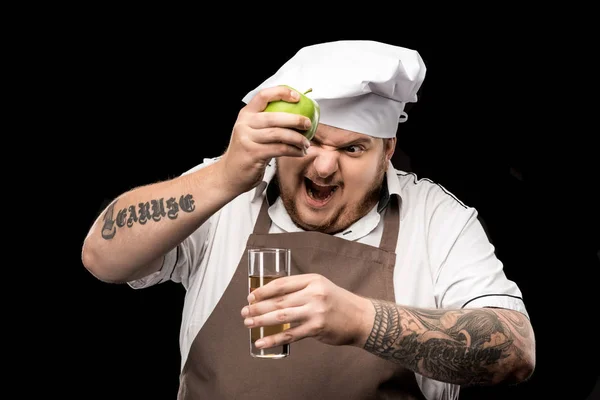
{"x": 467, "y": 271}
{"x": 169, "y": 265}
{"x": 182, "y": 262}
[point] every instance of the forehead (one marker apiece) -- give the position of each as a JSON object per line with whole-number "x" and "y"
{"x": 327, "y": 134}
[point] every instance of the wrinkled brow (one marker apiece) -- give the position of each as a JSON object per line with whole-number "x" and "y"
{"x": 353, "y": 141}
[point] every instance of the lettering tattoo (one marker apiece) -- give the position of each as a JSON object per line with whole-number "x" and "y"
{"x": 468, "y": 347}
{"x": 142, "y": 213}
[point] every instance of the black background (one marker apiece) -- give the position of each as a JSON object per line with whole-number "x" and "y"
{"x": 149, "y": 98}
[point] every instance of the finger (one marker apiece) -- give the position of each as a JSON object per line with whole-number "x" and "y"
{"x": 268, "y": 151}
{"x": 295, "y": 299}
{"x": 260, "y": 101}
{"x": 281, "y": 286}
{"x": 280, "y": 135}
{"x": 279, "y": 119}
{"x": 283, "y": 316}
{"x": 288, "y": 336}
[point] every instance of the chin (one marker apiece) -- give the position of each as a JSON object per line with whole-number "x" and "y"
{"x": 306, "y": 217}
{"x": 328, "y": 219}
{"x": 314, "y": 207}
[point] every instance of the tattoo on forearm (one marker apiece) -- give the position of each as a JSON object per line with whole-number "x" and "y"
{"x": 386, "y": 329}
{"x": 460, "y": 346}
{"x": 154, "y": 210}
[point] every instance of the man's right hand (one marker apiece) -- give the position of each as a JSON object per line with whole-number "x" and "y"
{"x": 136, "y": 250}
{"x": 259, "y": 136}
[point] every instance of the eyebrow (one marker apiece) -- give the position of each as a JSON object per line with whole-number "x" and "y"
{"x": 353, "y": 142}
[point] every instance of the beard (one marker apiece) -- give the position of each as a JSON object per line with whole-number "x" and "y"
{"x": 345, "y": 215}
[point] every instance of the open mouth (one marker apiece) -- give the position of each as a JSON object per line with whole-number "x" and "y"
{"x": 318, "y": 193}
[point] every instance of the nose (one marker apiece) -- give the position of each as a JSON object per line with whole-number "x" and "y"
{"x": 325, "y": 161}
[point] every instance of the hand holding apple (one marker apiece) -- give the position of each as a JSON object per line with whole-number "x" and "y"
{"x": 259, "y": 136}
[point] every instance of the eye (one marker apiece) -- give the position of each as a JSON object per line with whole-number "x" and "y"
{"x": 354, "y": 149}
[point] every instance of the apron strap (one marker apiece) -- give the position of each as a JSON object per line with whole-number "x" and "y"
{"x": 263, "y": 223}
{"x": 391, "y": 224}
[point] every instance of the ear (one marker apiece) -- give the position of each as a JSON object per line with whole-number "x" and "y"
{"x": 389, "y": 146}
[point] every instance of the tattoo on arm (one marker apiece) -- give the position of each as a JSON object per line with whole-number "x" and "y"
{"x": 153, "y": 210}
{"x": 467, "y": 347}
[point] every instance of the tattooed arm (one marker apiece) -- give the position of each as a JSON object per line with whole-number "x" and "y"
{"x": 131, "y": 236}
{"x": 481, "y": 346}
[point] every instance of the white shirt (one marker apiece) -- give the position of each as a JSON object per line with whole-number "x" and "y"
{"x": 443, "y": 256}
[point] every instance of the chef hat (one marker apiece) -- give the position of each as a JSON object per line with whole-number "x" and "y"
{"x": 360, "y": 85}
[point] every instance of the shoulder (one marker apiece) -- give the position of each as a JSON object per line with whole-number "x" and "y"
{"x": 424, "y": 192}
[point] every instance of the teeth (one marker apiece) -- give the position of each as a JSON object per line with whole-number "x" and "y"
{"x": 311, "y": 194}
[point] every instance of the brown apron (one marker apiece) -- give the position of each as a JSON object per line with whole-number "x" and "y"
{"x": 219, "y": 365}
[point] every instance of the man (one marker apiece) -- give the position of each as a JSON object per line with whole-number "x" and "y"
{"x": 396, "y": 291}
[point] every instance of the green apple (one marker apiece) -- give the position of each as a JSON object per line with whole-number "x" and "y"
{"x": 305, "y": 106}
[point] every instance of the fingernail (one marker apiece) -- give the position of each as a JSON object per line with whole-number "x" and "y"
{"x": 245, "y": 311}
{"x": 306, "y": 143}
{"x": 259, "y": 343}
{"x": 307, "y": 124}
{"x": 294, "y": 94}
{"x": 251, "y": 298}
{"x": 248, "y": 321}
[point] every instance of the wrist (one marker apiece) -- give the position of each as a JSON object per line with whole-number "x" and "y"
{"x": 365, "y": 320}
{"x": 227, "y": 184}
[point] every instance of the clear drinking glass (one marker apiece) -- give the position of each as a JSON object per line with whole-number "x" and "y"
{"x": 265, "y": 265}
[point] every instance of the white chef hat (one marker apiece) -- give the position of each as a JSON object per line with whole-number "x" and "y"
{"x": 360, "y": 85}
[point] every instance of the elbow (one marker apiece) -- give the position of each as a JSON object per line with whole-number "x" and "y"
{"x": 525, "y": 372}
{"x": 524, "y": 369}
{"x": 523, "y": 353}
{"x": 96, "y": 265}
